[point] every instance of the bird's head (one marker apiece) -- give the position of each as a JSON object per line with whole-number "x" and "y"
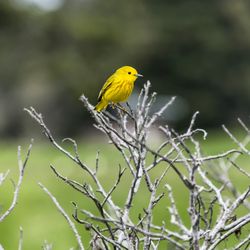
{"x": 128, "y": 73}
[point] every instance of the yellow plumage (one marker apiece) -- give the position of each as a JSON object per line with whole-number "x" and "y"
{"x": 117, "y": 88}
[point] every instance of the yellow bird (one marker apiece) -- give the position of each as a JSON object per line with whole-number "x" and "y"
{"x": 118, "y": 87}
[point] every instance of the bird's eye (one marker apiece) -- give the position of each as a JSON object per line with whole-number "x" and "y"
{"x": 129, "y": 73}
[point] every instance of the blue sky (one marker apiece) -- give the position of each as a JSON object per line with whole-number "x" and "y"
{"x": 47, "y": 5}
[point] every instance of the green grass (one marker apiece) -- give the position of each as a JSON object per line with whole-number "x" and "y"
{"x": 37, "y": 214}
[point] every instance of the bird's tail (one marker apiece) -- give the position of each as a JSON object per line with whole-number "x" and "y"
{"x": 101, "y": 105}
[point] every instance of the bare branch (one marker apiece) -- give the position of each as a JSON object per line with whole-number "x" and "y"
{"x": 229, "y": 232}
{"x": 21, "y": 166}
{"x": 212, "y": 157}
{"x": 20, "y": 244}
{"x": 121, "y": 172}
{"x": 160, "y": 112}
{"x": 240, "y": 169}
{"x": 61, "y": 210}
{"x": 241, "y": 146}
{"x": 242, "y": 243}
{"x": 244, "y": 126}
{"x": 175, "y": 217}
{"x": 212, "y": 212}
{"x": 3, "y": 176}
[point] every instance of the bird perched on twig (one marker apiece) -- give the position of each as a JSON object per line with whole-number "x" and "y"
{"x": 118, "y": 87}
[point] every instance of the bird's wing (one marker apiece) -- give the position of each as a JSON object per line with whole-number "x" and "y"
{"x": 105, "y": 87}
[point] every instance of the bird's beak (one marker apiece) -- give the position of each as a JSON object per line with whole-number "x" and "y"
{"x": 138, "y": 75}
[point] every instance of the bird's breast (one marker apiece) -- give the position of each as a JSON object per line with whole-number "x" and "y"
{"x": 127, "y": 89}
{"x": 119, "y": 92}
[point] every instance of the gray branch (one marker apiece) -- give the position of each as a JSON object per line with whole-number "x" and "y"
{"x": 206, "y": 179}
{"x": 21, "y": 166}
{"x": 62, "y": 211}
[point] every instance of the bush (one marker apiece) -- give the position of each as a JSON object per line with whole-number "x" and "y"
{"x": 213, "y": 198}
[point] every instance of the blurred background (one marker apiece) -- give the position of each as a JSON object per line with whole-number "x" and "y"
{"x": 52, "y": 51}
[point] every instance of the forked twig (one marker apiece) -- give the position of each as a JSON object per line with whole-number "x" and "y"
{"x": 116, "y": 226}
{"x": 21, "y": 166}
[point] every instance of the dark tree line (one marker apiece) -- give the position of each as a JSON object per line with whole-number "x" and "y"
{"x": 197, "y": 50}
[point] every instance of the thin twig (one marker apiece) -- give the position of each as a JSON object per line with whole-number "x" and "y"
{"x": 129, "y": 130}
{"x": 240, "y": 169}
{"x": 242, "y": 147}
{"x": 242, "y": 243}
{"x": 20, "y": 244}
{"x": 3, "y": 176}
{"x": 21, "y": 166}
{"x": 62, "y": 211}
